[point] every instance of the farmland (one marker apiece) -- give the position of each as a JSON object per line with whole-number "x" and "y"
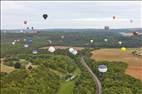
{"x": 134, "y": 62}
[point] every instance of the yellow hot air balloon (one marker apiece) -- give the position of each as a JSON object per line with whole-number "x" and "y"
{"x": 123, "y": 49}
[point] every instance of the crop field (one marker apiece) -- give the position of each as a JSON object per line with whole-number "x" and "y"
{"x": 134, "y": 62}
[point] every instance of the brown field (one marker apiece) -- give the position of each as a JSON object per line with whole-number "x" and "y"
{"x": 64, "y": 47}
{"x": 4, "y": 68}
{"x": 134, "y": 62}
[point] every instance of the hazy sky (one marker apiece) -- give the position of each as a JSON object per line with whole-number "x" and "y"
{"x": 71, "y": 14}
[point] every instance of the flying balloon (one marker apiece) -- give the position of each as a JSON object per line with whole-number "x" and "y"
{"x": 102, "y": 68}
{"x": 135, "y": 33}
{"x": 45, "y": 16}
{"x": 26, "y": 45}
{"x": 49, "y": 41}
{"x": 123, "y": 49}
{"x": 119, "y": 42}
{"x": 91, "y": 41}
{"x": 25, "y": 22}
{"x": 13, "y": 43}
{"x": 106, "y": 40}
{"x": 106, "y": 27}
{"x": 131, "y": 21}
{"x": 51, "y": 49}
{"x": 32, "y": 28}
{"x": 74, "y": 52}
{"x": 34, "y": 52}
{"x": 114, "y": 17}
{"x": 71, "y": 50}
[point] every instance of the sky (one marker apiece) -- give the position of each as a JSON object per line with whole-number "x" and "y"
{"x": 71, "y": 14}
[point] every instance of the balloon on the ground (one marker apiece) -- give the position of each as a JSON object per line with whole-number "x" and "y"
{"x": 102, "y": 68}
{"x": 51, "y": 49}
{"x": 45, "y": 16}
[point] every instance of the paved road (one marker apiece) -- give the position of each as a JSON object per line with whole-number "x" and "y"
{"x": 97, "y": 81}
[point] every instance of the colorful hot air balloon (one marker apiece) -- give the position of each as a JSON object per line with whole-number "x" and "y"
{"x": 45, "y": 16}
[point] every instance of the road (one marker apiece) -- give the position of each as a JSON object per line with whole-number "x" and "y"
{"x": 97, "y": 81}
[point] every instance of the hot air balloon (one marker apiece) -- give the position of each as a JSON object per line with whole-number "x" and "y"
{"x": 49, "y": 41}
{"x": 74, "y": 52}
{"x": 106, "y": 27}
{"x": 34, "y": 51}
{"x": 71, "y": 50}
{"x": 123, "y": 49}
{"x": 13, "y": 43}
{"x": 28, "y": 28}
{"x": 32, "y": 28}
{"x": 26, "y": 45}
{"x": 102, "y": 68}
{"x": 45, "y": 16}
{"x": 135, "y": 33}
{"x": 106, "y": 40}
{"x": 25, "y": 22}
{"x": 113, "y": 17}
{"x": 91, "y": 41}
{"x": 51, "y": 49}
{"x": 119, "y": 42}
{"x": 131, "y": 21}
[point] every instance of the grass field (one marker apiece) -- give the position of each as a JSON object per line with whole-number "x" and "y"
{"x": 134, "y": 62}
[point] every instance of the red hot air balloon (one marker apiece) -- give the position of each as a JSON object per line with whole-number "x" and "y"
{"x": 25, "y": 22}
{"x": 45, "y": 16}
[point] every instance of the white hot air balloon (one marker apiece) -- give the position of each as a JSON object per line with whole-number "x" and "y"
{"x": 91, "y": 41}
{"x": 102, "y": 68}
{"x": 62, "y": 37}
{"x": 13, "y": 43}
{"x": 106, "y": 40}
{"x": 71, "y": 50}
{"x": 119, "y": 42}
{"x": 51, "y": 49}
{"x": 34, "y": 51}
{"x": 26, "y": 45}
{"x": 74, "y": 52}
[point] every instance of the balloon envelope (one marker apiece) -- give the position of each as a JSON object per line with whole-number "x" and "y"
{"x": 71, "y": 50}
{"x": 51, "y": 49}
{"x": 34, "y": 52}
{"x": 25, "y": 22}
{"x": 102, "y": 68}
{"x": 26, "y": 45}
{"x": 123, "y": 49}
{"x": 91, "y": 41}
{"x": 13, "y": 43}
{"x": 119, "y": 42}
{"x": 45, "y": 16}
{"x": 74, "y": 52}
{"x": 113, "y": 17}
{"x": 106, "y": 40}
